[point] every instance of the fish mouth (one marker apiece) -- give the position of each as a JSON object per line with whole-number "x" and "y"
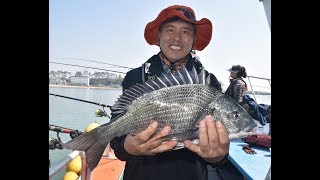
{"x": 251, "y": 128}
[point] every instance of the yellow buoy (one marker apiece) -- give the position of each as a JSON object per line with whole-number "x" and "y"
{"x": 91, "y": 126}
{"x": 70, "y": 176}
{"x": 74, "y": 165}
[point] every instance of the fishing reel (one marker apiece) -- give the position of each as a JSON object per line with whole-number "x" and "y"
{"x": 101, "y": 113}
{"x": 55, "y": 143}
{"x": 75, "y": 133}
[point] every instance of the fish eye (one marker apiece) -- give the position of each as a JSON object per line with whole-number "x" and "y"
{"x": 236, "y": 114}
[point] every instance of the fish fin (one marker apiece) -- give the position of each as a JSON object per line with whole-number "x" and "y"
{"x": 91, "y": 154}
{"x": 194, "y": 76}
{"x": 179, "y": 77}
{"x": 116, "y": 111}
{"x": 180, "y": 145}
{"x": 208, "y": 80}
{"x": 161, "y": 84}
{"x": 186, "y": 76}
{"x": 192, "y": 135}
{"x": 153, "y": 85}
{"x": 91, "y": 144}
{"x": 165, "y": 79}
{"x": 202, "y": 76}
{"x": 173, "y": 81}
{"x": 143, "y": 88}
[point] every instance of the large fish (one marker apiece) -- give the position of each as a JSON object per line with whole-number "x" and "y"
{"x": 180, "y": 100}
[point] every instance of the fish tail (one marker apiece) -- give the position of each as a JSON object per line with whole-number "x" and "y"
{"x": 91, "y": 144}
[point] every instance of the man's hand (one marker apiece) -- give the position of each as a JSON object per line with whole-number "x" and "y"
{"x": 142, "y": 144}
{"x": 214, "y": 141}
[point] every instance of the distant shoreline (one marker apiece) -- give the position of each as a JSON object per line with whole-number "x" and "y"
{"x": 108, "y": 88}
{"x": 90, "y": 87}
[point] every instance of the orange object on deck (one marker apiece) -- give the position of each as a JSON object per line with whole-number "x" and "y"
{"x": 110, "y": 168}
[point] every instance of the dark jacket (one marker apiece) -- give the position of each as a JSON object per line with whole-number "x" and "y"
{"x": 236, "y": 90}
{"x": 177, "y": 164}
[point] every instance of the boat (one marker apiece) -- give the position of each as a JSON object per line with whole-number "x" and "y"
{"x": 257, "y": 166}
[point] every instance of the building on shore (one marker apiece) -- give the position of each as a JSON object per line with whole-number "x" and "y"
{"x": 80, "y": 78}
{"x": 55, "y": 80}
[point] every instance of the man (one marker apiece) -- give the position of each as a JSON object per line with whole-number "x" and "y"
{"x": 177, "y": 32}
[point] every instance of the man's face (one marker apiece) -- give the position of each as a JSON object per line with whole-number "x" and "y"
{"x": 176, "y": 39}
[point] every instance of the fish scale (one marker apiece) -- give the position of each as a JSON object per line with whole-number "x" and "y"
{"x": 161, "y": 106}
{"x": 169, "y": 101}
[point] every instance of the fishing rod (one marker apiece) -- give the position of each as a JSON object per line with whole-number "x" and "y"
{"x": 56, "y": 143}
{"x": 96, "y": 62}
{"x": 87, "y": 67}
{"x": 59, "y": 129}
{"x": 99, "y": 112}
{"x": 99, "y": 104}
{"x": 73, "y": 133}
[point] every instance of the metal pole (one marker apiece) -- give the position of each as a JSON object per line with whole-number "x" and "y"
{"x": 254, "y": 95}
{"x": 62, "y": 164}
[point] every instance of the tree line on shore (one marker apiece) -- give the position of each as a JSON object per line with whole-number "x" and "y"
{"x": 95, "y": 79}
{"x": 106, "y": 79}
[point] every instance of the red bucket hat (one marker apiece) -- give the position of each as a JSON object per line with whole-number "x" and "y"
{"x": 203, "y": 26}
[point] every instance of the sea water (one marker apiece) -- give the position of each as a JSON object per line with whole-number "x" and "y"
{"x": 77, "y": 115}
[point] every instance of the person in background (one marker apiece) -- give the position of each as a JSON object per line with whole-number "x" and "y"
{"x": 237, "y": 91}
{"x": 238, "y": 86}
{"x": 177, "y": 32}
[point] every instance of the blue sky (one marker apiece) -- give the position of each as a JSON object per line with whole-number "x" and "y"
{"x": 113, "y": 32}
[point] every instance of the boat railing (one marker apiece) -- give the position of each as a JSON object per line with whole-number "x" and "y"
{"x": 86, "y": 174}
{"x": 252, "y": 85}
{"x": 60, "y": 165}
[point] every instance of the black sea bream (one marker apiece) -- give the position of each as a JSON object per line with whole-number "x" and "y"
{"x": 180, "y": 100}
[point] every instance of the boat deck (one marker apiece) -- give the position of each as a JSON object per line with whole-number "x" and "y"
{"x": 252, "y": 166}
{"x": 110, "y": 168}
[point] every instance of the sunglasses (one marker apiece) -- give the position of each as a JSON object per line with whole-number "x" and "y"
{"x": 187, "y": 14}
